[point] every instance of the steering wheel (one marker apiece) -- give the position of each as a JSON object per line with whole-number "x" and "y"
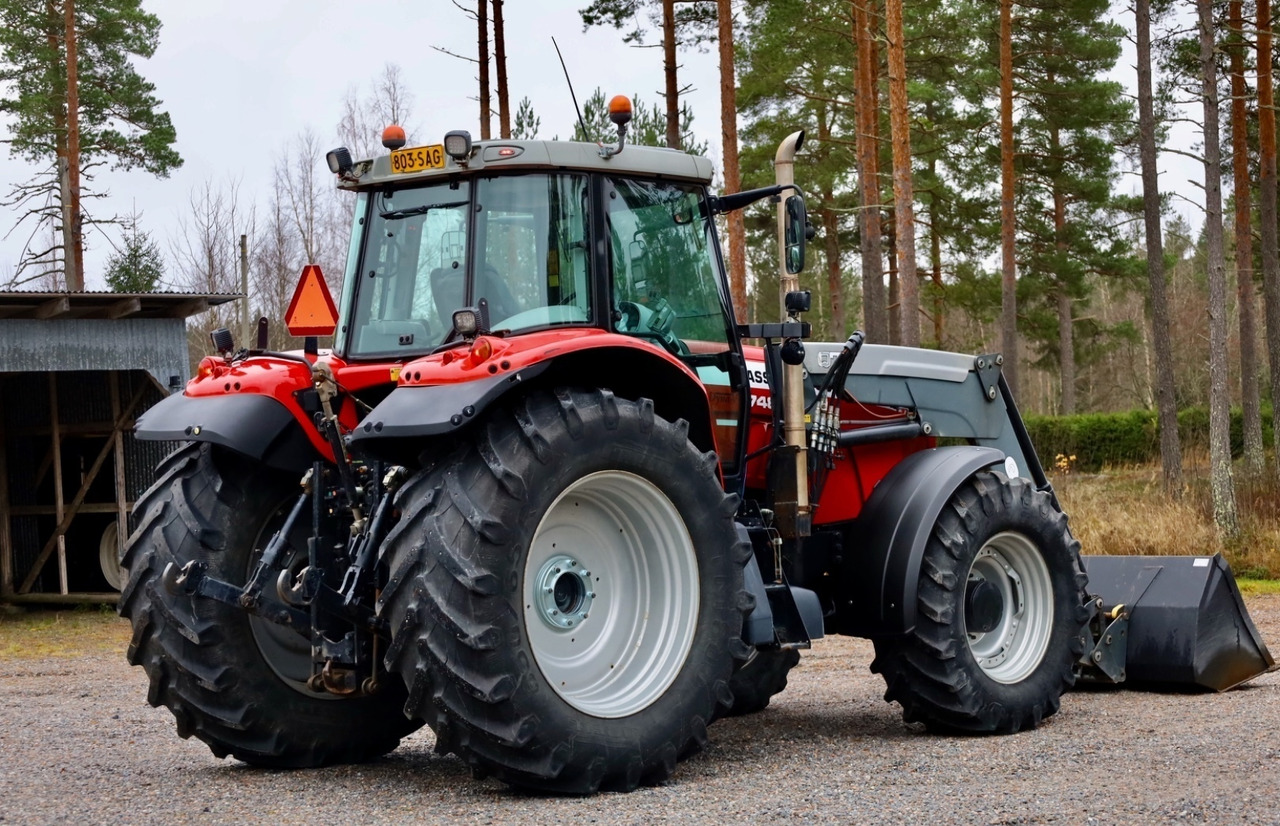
{"x": 654, "y": 324}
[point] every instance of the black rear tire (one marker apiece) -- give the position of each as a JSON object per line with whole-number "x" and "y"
{"x": 760, "y": 679}
{"x": 236, "y": 685}
{"x": 1001, "y": 559}
{"x": 571, "y": 534}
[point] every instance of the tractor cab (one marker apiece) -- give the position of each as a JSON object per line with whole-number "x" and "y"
{"x": 608, "y": 256}
{"x": 530, "y": 236}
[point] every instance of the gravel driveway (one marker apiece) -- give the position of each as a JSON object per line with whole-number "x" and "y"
{"x": 79, "y": 744}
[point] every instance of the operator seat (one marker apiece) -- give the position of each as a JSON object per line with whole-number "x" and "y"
{"x": 448, "y": 293}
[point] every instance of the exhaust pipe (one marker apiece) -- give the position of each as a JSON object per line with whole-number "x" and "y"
{"x": 1171, "y": 622}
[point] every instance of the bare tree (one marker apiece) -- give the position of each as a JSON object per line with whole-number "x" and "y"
{"x": 276, "y": 262}
{"x": 304, "y": 191}
{"x": 390, "y": 100}
{"x": 904, "y": 213}
{"x": 500, "y": 67}
{"x": 1158, "y": 302}
{"x": 482, "y": 63}
{"x": 1225, "y": 515}
{"x": 205, "y": 253}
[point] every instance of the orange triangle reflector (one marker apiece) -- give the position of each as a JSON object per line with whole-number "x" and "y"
{"x": 311, "y": 311}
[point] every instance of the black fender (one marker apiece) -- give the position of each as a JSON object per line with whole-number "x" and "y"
{"x": 257, "y": 426}
{"x": 882, "y": 559}
{"x": 415, "y": 413}
{"x": 406, "y": 421}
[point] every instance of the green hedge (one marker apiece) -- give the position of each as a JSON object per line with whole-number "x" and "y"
{"x": 1101, "y": 439}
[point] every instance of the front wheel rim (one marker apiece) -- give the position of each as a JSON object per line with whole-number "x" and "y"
{"x": 1015, "y": 646}
{"x": 611, "y": 594}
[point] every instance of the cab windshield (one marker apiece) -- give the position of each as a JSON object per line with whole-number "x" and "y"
{"x": 517, "y": 243}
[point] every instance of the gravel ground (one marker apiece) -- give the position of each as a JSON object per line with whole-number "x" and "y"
{"x": 78, "y": 743}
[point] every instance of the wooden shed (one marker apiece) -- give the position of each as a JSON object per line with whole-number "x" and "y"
{"x": 76, "y": 369}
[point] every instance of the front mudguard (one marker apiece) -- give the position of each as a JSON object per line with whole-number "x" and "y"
{"x": 257, "y": 426}
{"x": 886, "y": 544}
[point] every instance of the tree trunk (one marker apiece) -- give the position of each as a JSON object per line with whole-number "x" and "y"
{"x": 1009, "y": 264}
{"x": 71, "y": 211}
{"x": 835, "y": 287}
{"x": 482, "y": 50}
{"x": 1066, "y": 315}
{"x": 729, "y": 145}
{"x": 1250, "y": 401}
{"x": 669, "y": 71}
{"x": 1158, "y": 303}
{"x": 1225, "y": 516}
{"x": 500, "y": 61}
{"x": 935, "y": 244}
{"x": 867, "y": 121}
{"x": 1267, "y": 212}
{"x": 1066, "y": 352}
{"x": 904, "y": 213}
{"x": 895, "y": 293}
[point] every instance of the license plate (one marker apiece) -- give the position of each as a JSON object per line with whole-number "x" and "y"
{"x": 417, "y": 158}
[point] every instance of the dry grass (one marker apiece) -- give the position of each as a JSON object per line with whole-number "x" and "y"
{"x": 38, "y": 634}
{"x": 1125, "y": 511}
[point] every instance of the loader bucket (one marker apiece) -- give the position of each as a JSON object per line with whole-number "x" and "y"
{"x": 1188, "y": 627}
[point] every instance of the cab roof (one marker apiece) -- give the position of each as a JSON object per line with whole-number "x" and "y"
{"x": 505, "y": 155}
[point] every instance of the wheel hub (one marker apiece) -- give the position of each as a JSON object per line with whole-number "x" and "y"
{"x": 1008, "y": 607}
{"x": 563, "y": 592}
{"x": 983, "y": 606}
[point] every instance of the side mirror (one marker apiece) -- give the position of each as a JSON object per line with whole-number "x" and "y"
{"x": 795, "y": 234}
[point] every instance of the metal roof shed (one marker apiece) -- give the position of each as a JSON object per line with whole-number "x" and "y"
{"x": 76, "y": 369}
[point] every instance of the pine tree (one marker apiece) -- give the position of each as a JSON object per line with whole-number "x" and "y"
{"x": 527, "y": 123}
{"x": 1072, "y": 119}
{"x": 647, "y": 128}
{"x": 116, "y": 111}
{"x": 139, "y": 266}
{"x": 793, "y": 76}
{"x": 692, "y": 23}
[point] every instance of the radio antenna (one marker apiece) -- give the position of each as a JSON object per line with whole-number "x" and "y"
{"x": 582, "y": 123}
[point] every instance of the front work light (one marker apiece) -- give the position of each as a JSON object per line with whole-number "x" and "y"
{"x": 457, "y": 144}
{"x": 466, "y": 322}
{"x": 339, "y": 161}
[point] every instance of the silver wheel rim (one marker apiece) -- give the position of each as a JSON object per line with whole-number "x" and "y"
{"x": 109, "y": 556}
{"x": 1014, "y": 648}
{"x": 611, "y": 594}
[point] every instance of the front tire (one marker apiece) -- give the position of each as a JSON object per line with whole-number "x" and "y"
{"x": 567, "y": 593}
{"x": 999, "y": 617}
{"x": 232, "y": 680}
{"x": 760, "y": 679}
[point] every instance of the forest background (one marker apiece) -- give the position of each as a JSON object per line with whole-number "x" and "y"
{"x": 969, "y": 169}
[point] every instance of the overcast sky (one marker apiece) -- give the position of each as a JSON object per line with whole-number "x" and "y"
{"x": 242, "y": 78}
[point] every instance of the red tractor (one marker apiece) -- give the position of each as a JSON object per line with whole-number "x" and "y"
{"x": 544, "y": 497}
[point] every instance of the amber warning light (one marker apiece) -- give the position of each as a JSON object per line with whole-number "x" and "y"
{"x": 311, "y": 310}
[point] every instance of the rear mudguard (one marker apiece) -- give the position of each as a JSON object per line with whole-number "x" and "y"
{"x": 441, "y": 394}
{"x": 886, "y": 544}
{"x": 257, "y": 426}
{"x": 431, "y": 411}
